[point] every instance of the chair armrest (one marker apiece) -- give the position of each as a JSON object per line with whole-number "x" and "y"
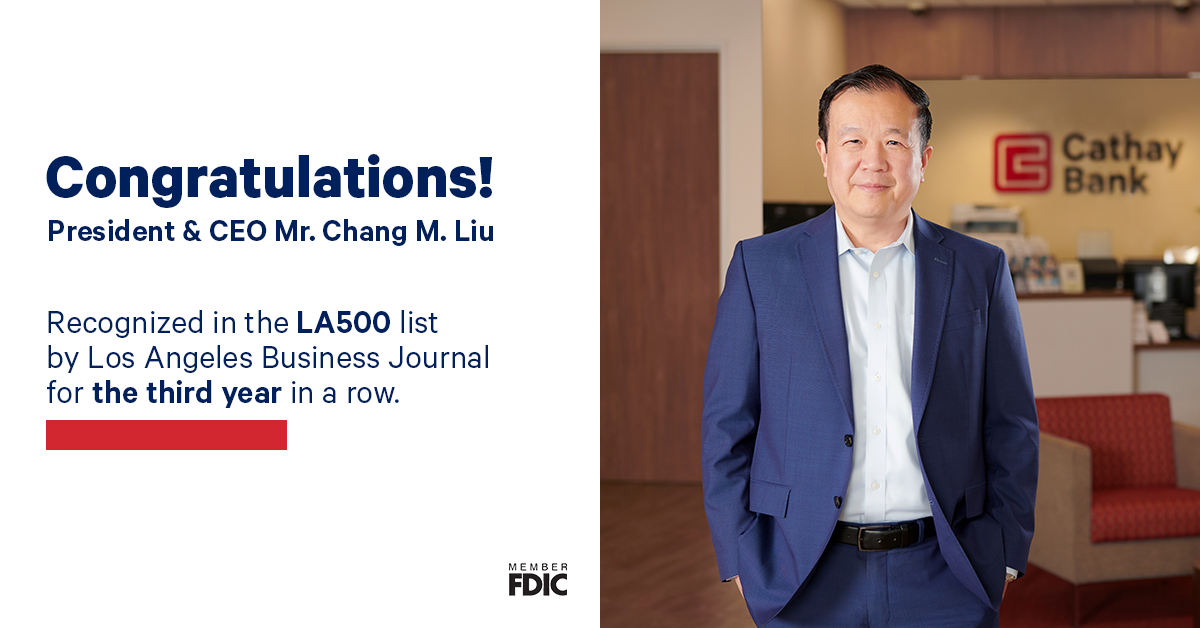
{"x": 1064, "y": 504}
{"x": 1187, "y": 456}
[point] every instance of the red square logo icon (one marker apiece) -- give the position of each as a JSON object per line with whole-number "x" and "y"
{"x": 1022, "y": 162}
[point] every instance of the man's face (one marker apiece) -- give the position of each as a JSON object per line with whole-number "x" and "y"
{"x": 874, "y": 162}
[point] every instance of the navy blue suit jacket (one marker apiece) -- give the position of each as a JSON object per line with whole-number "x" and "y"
{"x": 777, "y": 408}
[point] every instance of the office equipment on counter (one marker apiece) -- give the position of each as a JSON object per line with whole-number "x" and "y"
{"x": 984, "y": 219}
{"x": 1168, "y": 290}
{"x": 1101, "y": 271}
{"x": 1101, "y": 274}
{"x": 1001, "y": 226}
{"x": 779, "y": 216}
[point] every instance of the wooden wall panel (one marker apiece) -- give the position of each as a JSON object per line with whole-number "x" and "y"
{"x": 659, "y": 239}
{"x": 1076, "y": 42}
{"x": 942, "y": 44}
{"x": 1027, "y": 42}
{"x": 1180, "y": 41}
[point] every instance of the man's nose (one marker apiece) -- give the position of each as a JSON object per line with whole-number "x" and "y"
{"x": 874, "y": 158}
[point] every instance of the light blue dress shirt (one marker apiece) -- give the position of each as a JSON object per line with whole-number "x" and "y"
{"x": 878, "y": 301}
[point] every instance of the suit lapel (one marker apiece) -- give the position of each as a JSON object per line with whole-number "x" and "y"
{"x": 935, "y": 273}
{"x": 817, "y": 251}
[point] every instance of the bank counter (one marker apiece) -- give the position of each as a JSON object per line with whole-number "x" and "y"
{"x": 1082, "y": 344}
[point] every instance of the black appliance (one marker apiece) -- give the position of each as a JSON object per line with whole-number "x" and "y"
{"x": 778, "y": 216}
{"x": 1169, "y": 291}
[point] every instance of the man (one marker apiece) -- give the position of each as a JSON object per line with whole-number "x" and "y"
{"x": 869, "y": 432}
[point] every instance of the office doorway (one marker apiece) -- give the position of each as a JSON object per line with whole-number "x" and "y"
{"x": 659, "y": 244}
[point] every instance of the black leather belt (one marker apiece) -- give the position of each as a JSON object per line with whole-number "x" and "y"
{"x": 878, "y": 538}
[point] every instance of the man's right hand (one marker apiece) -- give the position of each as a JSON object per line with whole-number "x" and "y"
{"x": 738, "y": 581}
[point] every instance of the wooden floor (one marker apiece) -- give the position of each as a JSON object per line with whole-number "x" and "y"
{"x": 658, "y": 570}
{"x": 657, "y": 566}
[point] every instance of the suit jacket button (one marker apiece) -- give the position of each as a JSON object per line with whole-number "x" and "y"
{"x": 837, "y": 502}
{"x": 849, "y": 440}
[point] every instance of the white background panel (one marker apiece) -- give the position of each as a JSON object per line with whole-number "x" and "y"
{"x": 377, "y": 515}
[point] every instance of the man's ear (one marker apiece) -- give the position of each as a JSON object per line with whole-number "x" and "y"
{"x": 825, "y": 159}
{"x": 925, "y": 155}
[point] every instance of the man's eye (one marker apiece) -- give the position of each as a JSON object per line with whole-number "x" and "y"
{"x": 894, "y": 142}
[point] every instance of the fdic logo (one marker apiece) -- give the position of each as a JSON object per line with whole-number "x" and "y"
{"x": 1022, "y": 162}
{"x": 524, "y": 577}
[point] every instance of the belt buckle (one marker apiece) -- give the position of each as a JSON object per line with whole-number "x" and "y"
{"x": 874, "y": 527}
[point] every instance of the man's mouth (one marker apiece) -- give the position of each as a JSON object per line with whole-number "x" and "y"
{"x": 872, "y": 187}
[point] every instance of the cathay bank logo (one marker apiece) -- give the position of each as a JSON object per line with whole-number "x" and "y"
{"x": 1022, "y": 162}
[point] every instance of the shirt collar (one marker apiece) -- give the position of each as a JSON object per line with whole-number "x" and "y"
{"x": 844, "y": 244}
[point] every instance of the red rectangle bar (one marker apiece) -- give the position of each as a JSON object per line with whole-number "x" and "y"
{"x": 166, "y": 434}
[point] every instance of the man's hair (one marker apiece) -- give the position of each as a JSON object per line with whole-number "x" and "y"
{"x": 875, "y": 78}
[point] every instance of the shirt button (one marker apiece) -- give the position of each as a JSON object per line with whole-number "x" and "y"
{"x": 876, "y": 430}
{"x": 878, "y": 377}
{"x": 878, "y": 325}
{"x": 837, "y": 502}
{"x": 874, "y": 274}
{"x": 849, "y": 440}
{"x": 875, "y": 485}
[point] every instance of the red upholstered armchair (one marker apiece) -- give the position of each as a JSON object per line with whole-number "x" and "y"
{"x": 1117, "y": 490}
